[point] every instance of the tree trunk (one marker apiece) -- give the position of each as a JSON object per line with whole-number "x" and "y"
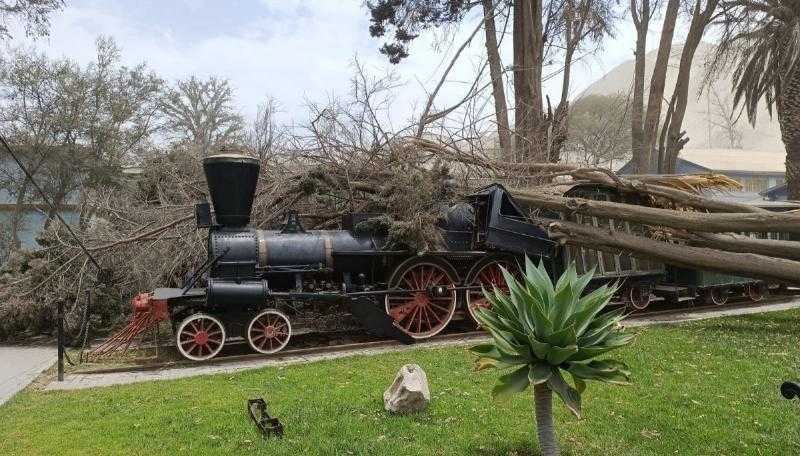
{"x": 745, "y": 244}
{"x": 641, "y": 20}
{"x": 19, "y": 212}
{"x": 58, "y": 202}
{"x": 655, "y": 100}
{"x": 545, "y": 429}
{"x": 788, "y": 104}
{"x": 496, "y": 73}
{"x": 536, "y": 39}
{"x": 743, "y": 264}
{"x": 528, "y": 51}
{"x": 522, "y": 95}
{"x": 786, "y": 222}
{"x": 675, "y": 140}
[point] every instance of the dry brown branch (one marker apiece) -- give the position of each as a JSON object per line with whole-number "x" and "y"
{"x": 144, "y": 236}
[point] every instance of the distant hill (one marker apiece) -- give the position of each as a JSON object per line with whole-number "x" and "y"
{"x": 702, "y": 113}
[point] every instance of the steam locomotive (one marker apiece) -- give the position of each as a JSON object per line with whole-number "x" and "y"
{"x": 252, "y": 279}
{"x": 250, "y": 274}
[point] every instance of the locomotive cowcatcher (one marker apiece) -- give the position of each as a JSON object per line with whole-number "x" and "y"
{"x": 249, "y": 275}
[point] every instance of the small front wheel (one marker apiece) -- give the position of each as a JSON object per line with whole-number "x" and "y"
{"x": 269, "y": 332}
{"x": 200, "y": 337}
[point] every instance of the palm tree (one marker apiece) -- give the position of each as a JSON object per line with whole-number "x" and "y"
{"x": 761, "y": 39}
{"x": 541, "y": 332}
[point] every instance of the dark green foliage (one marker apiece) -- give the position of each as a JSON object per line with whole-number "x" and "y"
{"x": 408, "y": 18}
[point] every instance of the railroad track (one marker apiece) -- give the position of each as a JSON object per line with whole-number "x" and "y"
{"x": 367, "y": 345}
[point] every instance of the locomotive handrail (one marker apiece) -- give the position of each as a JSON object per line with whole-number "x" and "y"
{"x": 205, "y": 266}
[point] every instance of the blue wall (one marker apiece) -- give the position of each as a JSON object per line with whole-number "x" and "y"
{"x": 32, "y": 224}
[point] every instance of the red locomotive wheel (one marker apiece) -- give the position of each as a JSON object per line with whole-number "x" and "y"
{"x": 269, "y": 332}
{"x": 200, "y": 337}
{"x": 489, "y": 275}
{"x": 428, "y": 308}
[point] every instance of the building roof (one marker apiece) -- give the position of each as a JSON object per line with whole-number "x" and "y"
{"x": 759, "y": 161}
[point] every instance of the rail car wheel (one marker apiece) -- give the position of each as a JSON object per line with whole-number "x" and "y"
{"x": 717, "y": 296}
{"x": 639, "y": 297}
{"x": 430, "y": 303}
{"x": 756, "y": 291}
{"x": 488, "y": 274}
{"x": 200, "y": 337}
{"x": 269, "y": 332}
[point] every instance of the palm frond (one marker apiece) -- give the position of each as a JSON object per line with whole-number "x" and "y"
{"x": 761, "y": 39}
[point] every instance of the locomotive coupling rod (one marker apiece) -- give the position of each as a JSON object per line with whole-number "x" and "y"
{"x": 434, "y": 291}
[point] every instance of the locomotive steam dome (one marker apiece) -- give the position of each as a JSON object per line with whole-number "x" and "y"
{"x": 231, "y": 182}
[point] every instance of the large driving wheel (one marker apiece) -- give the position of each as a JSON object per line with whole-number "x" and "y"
{"x": 488, "y": 275}
{"x": 200, "y": 337}
{"x": 428, "y": 305}
{"x": 269, "y": 331}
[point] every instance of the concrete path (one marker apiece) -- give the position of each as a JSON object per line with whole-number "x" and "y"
{"x": 82, "y": 381}
{"x": 19, "y": 366}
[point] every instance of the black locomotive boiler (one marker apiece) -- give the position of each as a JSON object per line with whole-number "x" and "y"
{"x": 250, "y": 274}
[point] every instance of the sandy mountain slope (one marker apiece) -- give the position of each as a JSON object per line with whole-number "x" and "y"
{"x": 704, "y": 110}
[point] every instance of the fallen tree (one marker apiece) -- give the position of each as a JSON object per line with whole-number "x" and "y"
{"x": 141, "y": 229}
{"x": 732, "y": 242}
{"x": 786, "y": 222}
{"x": 681, "y": 190}
{"x": 745, "y": 264}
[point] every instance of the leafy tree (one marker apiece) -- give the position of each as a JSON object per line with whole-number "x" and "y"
{"x": 761, "y": 40}
{"x": 33, "y": 13}
{"x": 203, "y": 113}
{"x": 74, "y": 126}
{"x": 409, "y": 18}
{"x": 543, "y": 331}
{"x": 599, "y": 130}
{"x": 543, "y": 32}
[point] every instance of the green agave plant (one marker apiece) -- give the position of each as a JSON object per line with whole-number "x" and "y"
{"x": 543, "y": 332}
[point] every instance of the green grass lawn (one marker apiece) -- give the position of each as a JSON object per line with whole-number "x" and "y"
{"x": 707, "y": 388}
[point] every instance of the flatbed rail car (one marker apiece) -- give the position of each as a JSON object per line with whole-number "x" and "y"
{"x": 685, "y": 284}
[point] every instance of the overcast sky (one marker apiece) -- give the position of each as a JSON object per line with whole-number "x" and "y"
{"x": 293, "y": 50}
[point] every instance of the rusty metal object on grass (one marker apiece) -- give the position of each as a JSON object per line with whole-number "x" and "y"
{"x": 268, "y": 425}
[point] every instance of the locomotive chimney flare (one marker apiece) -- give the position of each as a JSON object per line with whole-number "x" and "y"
{"x": 232, "y": 180}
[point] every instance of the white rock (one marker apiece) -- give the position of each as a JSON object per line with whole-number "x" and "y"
{"x": 409, "y": 392}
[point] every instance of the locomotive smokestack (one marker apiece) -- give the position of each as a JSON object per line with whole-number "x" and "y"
{"x": 232, "y": 182}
